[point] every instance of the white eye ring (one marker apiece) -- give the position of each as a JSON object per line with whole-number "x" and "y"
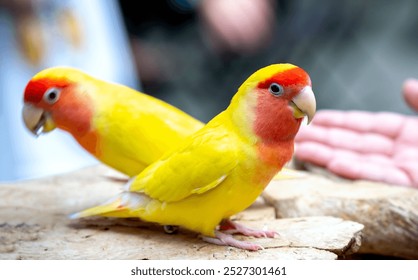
{"x": 52, "y": 95}
{"x": 276, "y": 89}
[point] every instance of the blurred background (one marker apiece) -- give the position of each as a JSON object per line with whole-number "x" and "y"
{"x": 36, "y": 34}
{"x": 194, "y": 54}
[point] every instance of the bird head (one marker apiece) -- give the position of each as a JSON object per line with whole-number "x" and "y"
{"x": 273, "y": 101}
{"x": 54, "y": 98}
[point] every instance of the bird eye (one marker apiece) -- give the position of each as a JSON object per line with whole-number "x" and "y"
{"x": 276, "y": 89}
{"x": 52, "y": 95}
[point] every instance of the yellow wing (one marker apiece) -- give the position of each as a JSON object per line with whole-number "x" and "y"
{"x": 202, "y": 163}
{"x": 136, "y": 129}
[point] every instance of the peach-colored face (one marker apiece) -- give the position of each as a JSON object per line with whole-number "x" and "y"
{"x": 61, "y": 101}
{"x": 275, "y": 120}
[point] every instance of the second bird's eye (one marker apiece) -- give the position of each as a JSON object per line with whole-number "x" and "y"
{"x": 276, "y": 89}
{"x": 52, "y": 95}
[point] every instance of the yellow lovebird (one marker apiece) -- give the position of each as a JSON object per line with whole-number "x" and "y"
{"x": 121, "y": 127}
{"x": 222, "y": 168}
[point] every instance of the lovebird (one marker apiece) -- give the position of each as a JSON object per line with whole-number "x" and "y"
{"x": 223, "y": 167}
{"x": 123, "y": 128}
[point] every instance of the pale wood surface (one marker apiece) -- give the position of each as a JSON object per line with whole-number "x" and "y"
{"x": 389, "y": 213}
{"x": 34, "y": 225}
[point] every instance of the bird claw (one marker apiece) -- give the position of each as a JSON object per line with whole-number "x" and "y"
{"x": 224, "y": 239}
{"x": 171, "y": 229}
{"x": 231, "y": 227}
{"x": 227, "y": 228}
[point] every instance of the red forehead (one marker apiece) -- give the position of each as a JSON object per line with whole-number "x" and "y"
{"x": 35, "y": 89}
{"x": 290, "y": 77}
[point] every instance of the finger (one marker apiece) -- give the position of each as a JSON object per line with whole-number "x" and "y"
{"x": 409, "y": 132}
{"x": 244, "y": 24}
{"x": 370, "y": 171}
{"x": 410, "y": 92}
{"x": 405, "y": 152}
{"x": 248, "y": 25}
{"x": 216, "y": 21}
{"x": 313, "y": 152}
{"x": 385, "y": 123}
{"x": 323, "y": 155}
{"x": 354, "y": 166}
{"x": 320, "y": 154}
{"x": 340, "y": 138}
{"x": 410, "y": 167}
{"x": 351, "y": 165}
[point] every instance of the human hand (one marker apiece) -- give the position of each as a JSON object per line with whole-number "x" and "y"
{"x": 410, "y": 92}
{"x": 380, "y": 147}
{"x": 239, "y": 26}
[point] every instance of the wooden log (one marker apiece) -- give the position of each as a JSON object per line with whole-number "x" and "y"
{"x": 34, "y": 225}
{"x": 389, "y": 213}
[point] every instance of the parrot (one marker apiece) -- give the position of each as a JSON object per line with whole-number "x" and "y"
{"x": 120, "y": 126}
{"x": 223, "y": 167}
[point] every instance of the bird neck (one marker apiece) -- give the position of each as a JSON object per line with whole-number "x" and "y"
{"x": 276, "y": 131}
{"x": 276, "y": 154}
{"x": 74, "y": 114}
{"x": 241, "y": 113}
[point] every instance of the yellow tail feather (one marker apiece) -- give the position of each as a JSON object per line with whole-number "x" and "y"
{"x": 100, "y": 210}
{"x": 120, "y": 206}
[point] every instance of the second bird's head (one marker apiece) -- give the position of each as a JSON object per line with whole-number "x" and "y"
{"x": 55, "y": 98}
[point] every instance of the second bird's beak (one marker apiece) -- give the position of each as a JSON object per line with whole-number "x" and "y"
{"x": 37, "y": 120}
{"x": 304, "y": 104}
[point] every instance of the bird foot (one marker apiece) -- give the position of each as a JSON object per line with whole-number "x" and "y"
{"x": 171, "y": 229}
{"x": 231, "y": 227}
{"x": 227, "y": 228}
{"x": 224, "y": 239}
